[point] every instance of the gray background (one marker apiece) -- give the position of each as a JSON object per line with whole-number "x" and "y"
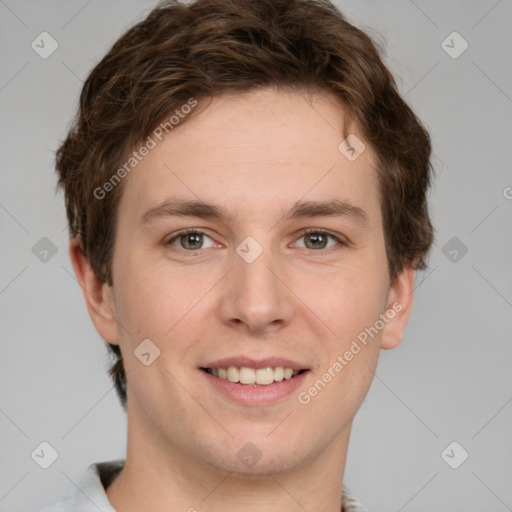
{"x": 450, "y": 379}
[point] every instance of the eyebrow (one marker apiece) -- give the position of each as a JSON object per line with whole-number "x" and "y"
{"x": 301, "y": 209}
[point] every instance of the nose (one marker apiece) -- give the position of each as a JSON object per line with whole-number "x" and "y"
{"x": 256, "y": 297}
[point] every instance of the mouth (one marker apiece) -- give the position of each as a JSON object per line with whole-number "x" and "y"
{"x": 247, "y": 376}
{"x": 255, "y": 382}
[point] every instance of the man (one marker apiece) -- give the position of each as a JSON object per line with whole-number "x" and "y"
{"x": 246, "y": 195}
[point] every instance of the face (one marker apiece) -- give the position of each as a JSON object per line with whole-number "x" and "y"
{"x": 281, "y": 273}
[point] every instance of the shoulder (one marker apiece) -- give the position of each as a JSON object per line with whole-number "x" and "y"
{"x": 87, "y": 494}
{"x": 350, "y": 503}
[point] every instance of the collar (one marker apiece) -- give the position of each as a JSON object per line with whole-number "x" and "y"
{"x": 88, "y": 493}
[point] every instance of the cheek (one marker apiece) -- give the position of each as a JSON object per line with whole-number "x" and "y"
{"x": 345, "y": 378}
{"x": 141, "y": 308}
{"x": 351, "y": 301}
{"x": 160, "y": 304}
{"x": 350, "y": 306}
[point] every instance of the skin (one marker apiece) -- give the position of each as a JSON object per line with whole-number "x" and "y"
{"x": 254, "y": 154}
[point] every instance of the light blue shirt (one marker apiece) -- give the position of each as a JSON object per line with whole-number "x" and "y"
{"x": 89, "y": 493}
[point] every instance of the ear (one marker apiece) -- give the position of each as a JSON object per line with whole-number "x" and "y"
{"x": 398, "y": 310}
{"x": 97, "y": 294}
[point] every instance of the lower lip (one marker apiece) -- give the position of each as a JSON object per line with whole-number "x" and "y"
{"x": 256, "y": 395}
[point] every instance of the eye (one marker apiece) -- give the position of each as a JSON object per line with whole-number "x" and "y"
{"x": 318, "y": 239}
{"x": 190, "y": 239}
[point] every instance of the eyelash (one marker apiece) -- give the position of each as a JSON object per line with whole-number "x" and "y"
{"x": 304, "y": 232}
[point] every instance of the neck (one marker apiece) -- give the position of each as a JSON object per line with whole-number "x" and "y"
{"x": 157, "y": 479}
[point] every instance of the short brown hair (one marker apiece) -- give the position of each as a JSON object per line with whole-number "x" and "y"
{"x": 211, "y": 47}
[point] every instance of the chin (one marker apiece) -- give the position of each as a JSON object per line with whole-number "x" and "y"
{"x": 255, "y": 456}
{"x": 262, "y": 468}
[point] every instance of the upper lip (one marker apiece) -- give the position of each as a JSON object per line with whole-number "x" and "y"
{"x": 250, "y": 362}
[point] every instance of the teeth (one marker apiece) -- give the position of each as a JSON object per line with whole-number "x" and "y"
{"x": 264, "y": 376}
{"x": 233, "y": 374}
{"x": 247, "y": 375}
{"x": 252, "y": 376}
{"x": 278, "y": 373}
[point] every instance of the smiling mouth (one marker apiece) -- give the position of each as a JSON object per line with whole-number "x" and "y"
{"x": 254, "y": 376}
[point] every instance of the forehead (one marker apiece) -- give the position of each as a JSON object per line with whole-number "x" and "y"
{"x": 255, "y": 151}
